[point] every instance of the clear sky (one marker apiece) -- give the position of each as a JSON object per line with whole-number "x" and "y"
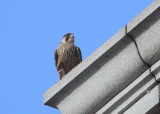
{"x": 30, "y": 30}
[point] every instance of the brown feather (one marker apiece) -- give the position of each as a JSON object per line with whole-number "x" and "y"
{"x": 55, "y": 57}
{"x": 67, "y": 57}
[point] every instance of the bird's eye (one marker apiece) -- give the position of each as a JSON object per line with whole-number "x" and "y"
{"x": 67, "y": 38}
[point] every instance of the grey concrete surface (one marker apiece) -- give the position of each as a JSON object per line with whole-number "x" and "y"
{"x": 143, "y": 15}
{"x": 155, "y": 69}
{"x": 147, "y": 36}
{"x": 127, "y": 97}
{"x": 147, "y": 102}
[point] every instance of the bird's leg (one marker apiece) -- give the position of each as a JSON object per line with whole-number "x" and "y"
{"x": 61, "y": 73}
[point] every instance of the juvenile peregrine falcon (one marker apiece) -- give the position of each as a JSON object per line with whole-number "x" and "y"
{"x": 67, "y": 56}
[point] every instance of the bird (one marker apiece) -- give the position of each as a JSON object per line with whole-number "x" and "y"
{"x": 67, "y": 56}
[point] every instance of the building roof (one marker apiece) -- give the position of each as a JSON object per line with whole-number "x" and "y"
{"x": 120, "y": 76}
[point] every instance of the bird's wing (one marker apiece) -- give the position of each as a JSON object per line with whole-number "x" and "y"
{"x": 55, "y": 57}
{"x": 79, "y": 54}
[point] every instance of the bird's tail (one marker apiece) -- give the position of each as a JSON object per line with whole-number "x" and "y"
{"x": 61, "y": 73}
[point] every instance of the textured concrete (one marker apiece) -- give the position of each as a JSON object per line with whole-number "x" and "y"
{"x": 146, "y": 32}
{"x": 143, "y": 15}
{"x": 126, "y": 98}
{"x": 147, "y": 102}
{"x": 155, "y": 69}
{"x": 115, "y": 76}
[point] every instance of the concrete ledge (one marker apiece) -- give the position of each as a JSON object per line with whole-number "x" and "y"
{"x": 130, "y": 95}
{"x": 155, "y": 69}
{"x": 84, "y": 65}
{"x": 143, "y": 105}
{"x": 143, "y": 15}
{"x": 122, "y": 56}
{"x": 112, "y": 79}
{"x": 139, "y": 97}
{"x": 146, "y": 32}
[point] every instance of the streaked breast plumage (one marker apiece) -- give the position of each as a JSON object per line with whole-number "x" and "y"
{"x": 67, "y": 56}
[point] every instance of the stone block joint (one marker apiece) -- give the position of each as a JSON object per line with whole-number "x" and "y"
{"x": 127, "y": 34}
{"x": 147, "y": 64}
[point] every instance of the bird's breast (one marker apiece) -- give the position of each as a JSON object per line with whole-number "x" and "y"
{"x": 66, "y": 52}
{"x": 67, "y": 56}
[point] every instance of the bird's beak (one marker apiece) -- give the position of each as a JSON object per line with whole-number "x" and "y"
{"x": 72, "y": 36}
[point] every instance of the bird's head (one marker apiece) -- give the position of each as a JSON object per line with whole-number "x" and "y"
{"x": 68, "y": 38}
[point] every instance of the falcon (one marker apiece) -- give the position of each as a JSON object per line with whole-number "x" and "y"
{"x": 67, "y": 56}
